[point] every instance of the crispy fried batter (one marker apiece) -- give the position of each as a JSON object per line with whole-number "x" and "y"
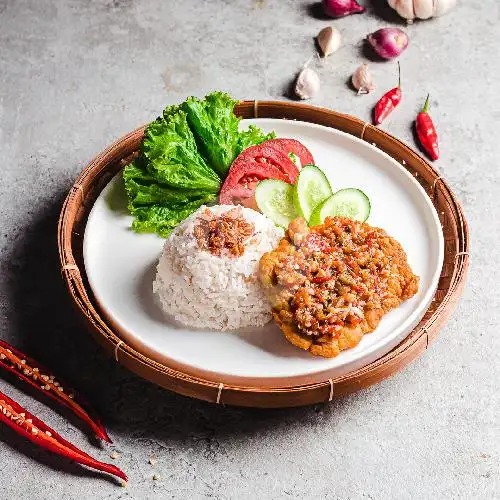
{"x": 330, "y": 284}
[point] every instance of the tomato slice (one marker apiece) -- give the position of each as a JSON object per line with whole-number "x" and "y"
{"x": 253, "y": 165}
{"x": 239, "y": 186}
{"x": 269, "y": 160}
{"x": 267, "y": 154}
{"x": 288, "y": 146}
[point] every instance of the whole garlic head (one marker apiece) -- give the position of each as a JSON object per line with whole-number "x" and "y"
{"x": 307, "y": 84}
{"x": 421, "y": 9}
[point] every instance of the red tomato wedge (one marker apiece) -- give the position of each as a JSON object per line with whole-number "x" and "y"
{"x": 240, "y": 184}
{"x": 268, "y": 154}
{"x": 288, "y": 146}
{"x": 251, "y": 166}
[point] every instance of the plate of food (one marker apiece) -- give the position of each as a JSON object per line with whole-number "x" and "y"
{"x": 260, "y": 253}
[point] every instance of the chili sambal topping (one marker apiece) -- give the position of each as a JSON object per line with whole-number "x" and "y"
{"x": 332, "y": 283}
{"x": 224, "y": 234}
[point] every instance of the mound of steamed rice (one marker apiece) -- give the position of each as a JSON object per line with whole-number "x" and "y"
{"x": 203, "y": 290}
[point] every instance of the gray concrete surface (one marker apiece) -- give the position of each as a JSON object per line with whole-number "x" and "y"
{"x": 77, "y": 74}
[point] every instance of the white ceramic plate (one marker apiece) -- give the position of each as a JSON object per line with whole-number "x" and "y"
{"x": 120, "y": 266}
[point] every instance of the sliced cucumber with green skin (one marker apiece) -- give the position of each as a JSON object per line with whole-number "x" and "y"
{"x": 311, "y": 188}
{"x": 350, "y": 202}
{"x": 275, "y": 199}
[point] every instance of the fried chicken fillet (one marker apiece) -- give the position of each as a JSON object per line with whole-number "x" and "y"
{"x": 330, "y": 284}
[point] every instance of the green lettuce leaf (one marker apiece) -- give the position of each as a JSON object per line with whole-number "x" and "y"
{"x": 185, "y": 154}
{"x": 215, "y": 127}
{"x": 252, "y": 137}
{"x": 173, "y": 156}
{"x": 157, "y": 207}
{"x": 170, "y": 179}
{"x": 142, "y": 189}
{"x": 162, "y": 219}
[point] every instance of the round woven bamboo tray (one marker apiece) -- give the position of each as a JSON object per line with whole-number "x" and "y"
{"x": 100, "y": 171}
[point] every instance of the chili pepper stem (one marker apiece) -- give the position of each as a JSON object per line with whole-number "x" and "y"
{"x": 425, "y": 109}
{"x": 399, "y": 75}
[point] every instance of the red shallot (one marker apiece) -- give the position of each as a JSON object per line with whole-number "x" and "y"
{"x": 388, "y": 43}
{"x": 341, "y": 8}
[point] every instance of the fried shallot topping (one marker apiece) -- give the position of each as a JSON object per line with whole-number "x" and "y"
{"x": 224, "y": 234}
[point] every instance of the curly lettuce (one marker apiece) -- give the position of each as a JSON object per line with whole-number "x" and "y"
{"x": 170, "y": 179}
{"x": 185, "y": 155}
{"x": 173, "y": 158}
{"x": 252, "y": 137}
{"x": 215, "y": 127}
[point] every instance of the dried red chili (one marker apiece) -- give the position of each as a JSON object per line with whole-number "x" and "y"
{"x": 426, "y": 132}
{"x": 27, "y": 369}
{"x": 33, "y": 429}
{"x": 388, "y": 102}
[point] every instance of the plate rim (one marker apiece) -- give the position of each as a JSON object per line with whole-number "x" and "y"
{"x": 457, "y": 243}
{"x": 376, "y": 351}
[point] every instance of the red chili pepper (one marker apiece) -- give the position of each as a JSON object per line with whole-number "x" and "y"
{"x": 426, "y": 132}
{"x": 321, "y": 279}
{"x": 32, "y": 428}
{"x": 40, "y": 378}
{"x": 388, "y": 102}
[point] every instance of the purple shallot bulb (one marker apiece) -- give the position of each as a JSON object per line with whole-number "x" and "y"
{"x": 388, "y": 43}
{"x": 341, "y": 8}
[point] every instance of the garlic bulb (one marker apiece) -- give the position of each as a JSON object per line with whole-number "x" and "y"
{"x": 328, "y": 40}
{"x": 362, "y": 80}
{"x": 421, "y": 9}
{"x": 307, "y": 84}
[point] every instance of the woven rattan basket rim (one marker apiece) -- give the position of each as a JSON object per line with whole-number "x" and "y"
{"x": 95, "y": 176}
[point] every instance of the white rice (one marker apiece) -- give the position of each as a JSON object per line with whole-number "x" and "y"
{"x": 202, "y": 290}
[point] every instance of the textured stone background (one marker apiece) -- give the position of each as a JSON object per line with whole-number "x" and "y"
{"x": 77, "y": 74}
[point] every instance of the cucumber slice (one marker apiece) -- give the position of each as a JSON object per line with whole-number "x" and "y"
{"x": 311, "y": 189}
{"x": 275, "y": 199}
{"x": 350, "y": 202}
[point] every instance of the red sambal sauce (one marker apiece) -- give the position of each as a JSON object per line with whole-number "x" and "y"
{"x": 336, "y": 271}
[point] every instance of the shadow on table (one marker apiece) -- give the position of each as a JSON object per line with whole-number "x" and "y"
{"x": 46, "y": 326}
{"x": 381, "y": 9}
